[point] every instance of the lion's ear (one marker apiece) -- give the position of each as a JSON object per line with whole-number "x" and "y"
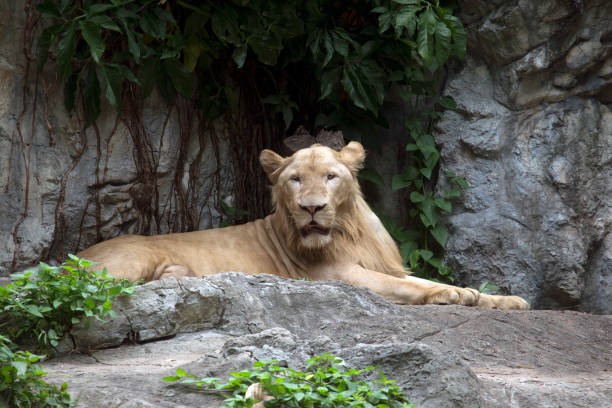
{"x": 353, "y": 155}
{"x": 270, "y": 162}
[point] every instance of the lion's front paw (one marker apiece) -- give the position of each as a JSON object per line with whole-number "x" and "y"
{"x": 502, "y": 302}
{"x": 452, "y": 296}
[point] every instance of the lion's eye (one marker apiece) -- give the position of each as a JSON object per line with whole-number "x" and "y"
{"x": 295, "y": 178}
{"x": 331, "y": 176}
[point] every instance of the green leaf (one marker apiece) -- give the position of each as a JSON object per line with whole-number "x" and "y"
{"x": 341, "y": 45}
{"x": 239, "y": 55}
{"x": 440, "y": 233}
{"x": 426, "y": 26}
{"x": 372, "y": 176}
{"x": 152, "y": 25}
{"x": 112, "y": 82}
{"x": 33, "y": 309}
{"x": 414, "y": 259}
{"x": 65, "y": 51}
{"x": 148, "y": 75}
{"x": 105, "y": 22}
{"x": 92, "y": 34}
{"x": 416, "y": 197}
{"x": 406, "y": 19}
{"x": 461, "y": 182}
{"x": 425, "y": 254}
{"x": 458, "y": 35}
{"x": 487, "y": 287}
{"x": 429, "y": 210}
{"x": 452, "y": 193}
{"x": 443, "y": 204}
{"x": 399, "y": 182}
{"x": 364, "y": 83}
{"x": 49, "y": 8}
{"x": 133, "y": 46}
{"x": 443, "y": 42}
{"x": 426, "y": 171}
{"x": 435, "y": 262}
{"x": 384, "y": 21}
{"x": 20, "y": 366}
{"x": 329, "y": 82}
{"x": 447, "y": 102}
{"x": 181, "y": 78}
{"x": 329, "y": 48}
{"x": 44, "y": 43}
{"x": 98, "y": 8}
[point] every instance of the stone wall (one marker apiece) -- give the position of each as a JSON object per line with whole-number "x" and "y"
{"x": 93, "y": 185}
{"x": 533, "y": 135}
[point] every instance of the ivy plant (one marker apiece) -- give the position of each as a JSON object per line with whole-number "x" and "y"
{"x": 327, "y": 383}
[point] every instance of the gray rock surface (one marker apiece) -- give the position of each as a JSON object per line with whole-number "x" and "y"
{"x": 533, "y": 136}
{"x": 441, "y": 356}
{"x": 85, "y": 186}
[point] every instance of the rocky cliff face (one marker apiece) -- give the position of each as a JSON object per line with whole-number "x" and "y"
{"x": 533, "y": 136}
{"x": 119, "y": 176}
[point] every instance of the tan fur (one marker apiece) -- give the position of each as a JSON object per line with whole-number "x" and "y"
{"x": 321, "y": 229}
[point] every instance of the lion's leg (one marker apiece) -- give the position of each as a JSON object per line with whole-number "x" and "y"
{"x": 173, "y": 271}
{"x": 414, "y": 291}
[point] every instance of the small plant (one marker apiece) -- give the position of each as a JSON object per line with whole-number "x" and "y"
{"x": 44, "y": 304}
{"x": 232, "y": 213}
{"x": 487, "y": 287}
{"x": 328, "y": 383}
{"x": 21, "y": 384}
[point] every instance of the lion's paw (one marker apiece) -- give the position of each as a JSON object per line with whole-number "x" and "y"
{"x": 452, "y": 296}
{"x": 502, "y": 302}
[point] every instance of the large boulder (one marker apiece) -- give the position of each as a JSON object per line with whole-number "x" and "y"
{"x": 533, "y": 137}
{"x": 440, "y": 356}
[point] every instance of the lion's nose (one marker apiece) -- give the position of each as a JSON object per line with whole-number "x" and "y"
{"x": 312, "y": 209}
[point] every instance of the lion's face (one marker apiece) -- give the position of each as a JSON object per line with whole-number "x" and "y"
{"x": 312, "y": 186}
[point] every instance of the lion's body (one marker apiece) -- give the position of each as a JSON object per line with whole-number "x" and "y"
{"x": 321, "y": 229}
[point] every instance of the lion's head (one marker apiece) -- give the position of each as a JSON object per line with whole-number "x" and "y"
{"x": 318, "y": 201}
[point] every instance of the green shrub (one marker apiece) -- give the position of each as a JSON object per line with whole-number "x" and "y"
{"x": 328, "y": 383}
{"x": 20, "y": 380}
{"x": 44, "y": 304}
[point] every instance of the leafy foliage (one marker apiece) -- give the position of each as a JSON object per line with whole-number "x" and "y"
{"x": 21, "y": 384}
{"x": 44, "y": 304}
{"x": 328, "y": 383}
{"x": 343, "y": 56}
{"x": 416, "y": 246}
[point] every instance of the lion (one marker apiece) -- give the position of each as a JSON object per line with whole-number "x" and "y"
{"x": 320, "y": 229}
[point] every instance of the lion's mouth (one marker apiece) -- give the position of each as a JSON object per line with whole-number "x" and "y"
{"x": 314, "y": 228}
